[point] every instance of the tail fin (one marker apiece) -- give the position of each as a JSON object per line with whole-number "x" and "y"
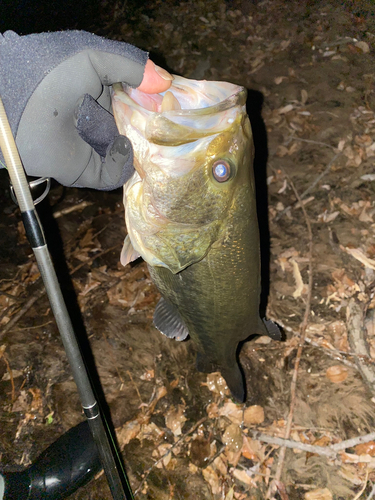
{"x": 235, "y": 382}
{"x": 270, "y": 328}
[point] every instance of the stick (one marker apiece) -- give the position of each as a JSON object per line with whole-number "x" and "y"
{"x": 358, "y": 343}
{"x": 311, "y": 187}
{"x": 325, "y": 451}
{"x": 372, "y": 493}
{"x": 2, "y": 355}
{"x": 309, "y": 141}
{"x": 358, "y": 495}
{"x": 42, "y": 292}
{"x": 23, "y": 310}
{"x": 350, "y": 443}
{"x": 293, "y": 386}
{"x": 147, "y": 473}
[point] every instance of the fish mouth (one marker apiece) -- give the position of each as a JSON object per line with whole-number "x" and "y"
{"x": 188, "y": 111}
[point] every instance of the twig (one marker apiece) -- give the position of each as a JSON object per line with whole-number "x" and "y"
{"x": 23, "y": 310}
{"x": 91, "y": 260}
{"x": 135, "y": 385}
{"x": 147, "y": 473}
{"x": 327, "y": 451}
{"x": 320, "y": 176}
{"x": 68, "y": 210}
{"x": 217, "y": 454}
{"x": 358, "y": 342}
{"x": 42, "y": 291}
{"x": 20, "y": 329}
{"x": 293, "y": 386}
{"x": 350, "y": 443}
{"x": 372, "y": 493}
{"x": 289, "y": 443}
{"x": 2, "y": 355}
{"x": 311, "y": 187}
{"x": 10, "y": 296}
{"x": 331, "y": 351}
{"x": 309, "y": 141}
{"x": 359, "y": 494}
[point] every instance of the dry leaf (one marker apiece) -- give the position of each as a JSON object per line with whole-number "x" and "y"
{"x": 163, "y": 451}
{"x": 253, "y": 415}
{"x": 221, "y": 465}
{"x": 252, "y": 449}
{"x": 21, "y": 403}
{"x": 229, "y": 495}
{"x": 212, "y": 410}
{"x": 242, "y": 476}
{"x": 281, "y": 151}
{"x": 37, "y": 402}
{"x": 212, "y": 479}
{"x": 148, "y": 375}
{"x": 280, "y": 79}
{"x": 328, "y": 217}
{"x": 319, "y": 494}
{"x": 286, "y": 109}
{"x": 298, "y": 279}
{"x": 216, "y": 383}
{"x": 175, "y": 419}
{"x": 232, "y": 411}
{"x": 263, "y": 339}
{"x": 364, "y": 46}
{"x": 127, "y": 432}
{"x": 322, "y": 441}
{"x": 350, "y": 473}
{"x": 366, "y": 449}
{"x": 363, "y": 140}
{"x": 200, "y": 451}
{"x": 151, "y": 432}
{"x": 193, "y": 468}
{"x": 359, "y": 255}
{"x": 337, "y": 374}
{"x": 304, "y": 96}
{"x": 232, "y": 437}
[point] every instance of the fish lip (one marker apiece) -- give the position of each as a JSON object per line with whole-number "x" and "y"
{"x": 238, "y": 98}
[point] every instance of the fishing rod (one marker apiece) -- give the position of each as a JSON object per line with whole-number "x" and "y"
{"x": 100, "y": 431}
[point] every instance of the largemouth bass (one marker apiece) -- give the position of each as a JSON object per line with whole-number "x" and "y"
{"x": 190, "y": 213}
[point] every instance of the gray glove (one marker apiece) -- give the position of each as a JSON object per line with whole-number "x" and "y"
{"x": 55, "y": 89}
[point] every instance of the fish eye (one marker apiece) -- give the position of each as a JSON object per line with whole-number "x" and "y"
{"x": 221, "y": 170}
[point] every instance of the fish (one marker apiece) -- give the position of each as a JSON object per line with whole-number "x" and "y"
{"x": 190, "y": 213}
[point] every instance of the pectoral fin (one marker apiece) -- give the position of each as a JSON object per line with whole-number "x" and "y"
{"x": 128, "y": 254}
{"x": 169, "y": 322}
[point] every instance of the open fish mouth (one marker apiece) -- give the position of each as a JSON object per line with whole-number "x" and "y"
{"x": 188, "y": 111}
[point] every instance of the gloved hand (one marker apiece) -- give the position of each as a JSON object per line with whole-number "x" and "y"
{"x": 55, "y": 89}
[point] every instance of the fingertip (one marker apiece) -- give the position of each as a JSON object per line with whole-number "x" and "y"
{"x": 155, "y": 79}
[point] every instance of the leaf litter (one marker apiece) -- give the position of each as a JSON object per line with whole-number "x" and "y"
{"x": 180, "y": 433}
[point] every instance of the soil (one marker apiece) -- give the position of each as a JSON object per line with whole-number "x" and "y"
{"x": 310, "y": 71}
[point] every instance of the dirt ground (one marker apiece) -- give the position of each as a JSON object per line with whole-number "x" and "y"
{"x": 310, "y": 71}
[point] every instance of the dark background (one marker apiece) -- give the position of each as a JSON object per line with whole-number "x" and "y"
{"x": 33, "y": 16}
